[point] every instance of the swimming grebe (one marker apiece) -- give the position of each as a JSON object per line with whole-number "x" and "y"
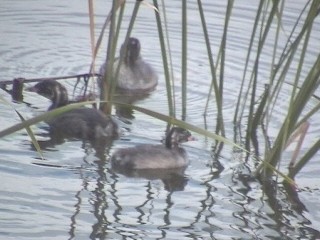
{"x": 82, "y": 123}
{"x": 135, "y": 75}
{"x": 147, "y": 156}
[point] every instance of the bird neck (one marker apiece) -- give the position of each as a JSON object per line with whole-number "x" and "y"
{"x": 131, "y": 60}
{"x": 59, "y": 98}
{"x": 130, "y": 55}
{"x": 170, "y": 142}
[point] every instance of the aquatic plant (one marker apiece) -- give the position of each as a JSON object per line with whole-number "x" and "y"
{"x": 253, "y": 111}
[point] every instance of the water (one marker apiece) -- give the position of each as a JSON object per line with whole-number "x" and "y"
{"x": 73, "y": 193}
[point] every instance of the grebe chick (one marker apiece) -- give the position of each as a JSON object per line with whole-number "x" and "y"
{"x": 135, "y": 75}
{"x": 82, "y": 123}
{"x": 147, "y": 156}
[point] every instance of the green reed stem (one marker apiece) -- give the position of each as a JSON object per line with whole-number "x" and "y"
{"x": 299, "y": 99}
{"x": 169, "y": 54}
{"x": 112, "y": 52}
{"x": 214, "y": 82}
{"x": 164, "y": 60}
{"x": 308, "y": 87}
{"x": 118, "y": 28}
{"x": 184, "y": 58}
{"x": 266, "y": 114}
{"x": 130, "y": 27}
{"x": 100, "y": 38}
{"x": 261, "y": 44}
{"x": 242, "y": 97}
{"x": 304, "y": 160}
{"x": 283, "y": 57}
{"x": 220, "y": 122}
{"x": 108, "y": 76}
{"x": 32, "y": 136}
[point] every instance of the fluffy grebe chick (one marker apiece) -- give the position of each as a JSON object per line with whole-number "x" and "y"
{"x": 135, "y": 75}
{"x": 82, "y": 123}
{"x": 147, "y": 156}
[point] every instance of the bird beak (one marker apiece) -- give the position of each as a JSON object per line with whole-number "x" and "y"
{"x": 192, "y": 138}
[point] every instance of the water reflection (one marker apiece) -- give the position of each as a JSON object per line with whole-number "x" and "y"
{"x": 123, "y": 211}
{"x": 123, "y": 112}
{"x": 173, "y": 179}
{"x": 102, "y": 200}
{"x": 55, "y": 139}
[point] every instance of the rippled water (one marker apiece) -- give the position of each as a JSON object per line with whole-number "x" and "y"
{"x": 73, "y": 193}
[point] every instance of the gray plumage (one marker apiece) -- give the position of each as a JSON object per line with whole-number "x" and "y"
{"x": 135, "y": 75}
{"x": 146, "y": 156}
{"x": 82, "y": 123}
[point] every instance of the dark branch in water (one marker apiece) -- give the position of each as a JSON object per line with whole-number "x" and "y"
{"x": 17, "y": 83}
{"x": 84, "y": 75}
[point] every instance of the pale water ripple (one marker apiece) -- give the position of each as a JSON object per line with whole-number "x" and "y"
{"x": 74, "y": 194}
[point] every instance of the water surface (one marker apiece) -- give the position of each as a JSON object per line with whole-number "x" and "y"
{"x": 74, "y": 194}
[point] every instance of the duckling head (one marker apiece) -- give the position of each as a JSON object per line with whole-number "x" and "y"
{"x": 52, "y": 90}
{"x": 176, "y": 136}
{"x": 130, "y": 51}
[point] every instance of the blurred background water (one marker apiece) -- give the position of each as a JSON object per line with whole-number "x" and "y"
{"x": 73, "y": 193}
